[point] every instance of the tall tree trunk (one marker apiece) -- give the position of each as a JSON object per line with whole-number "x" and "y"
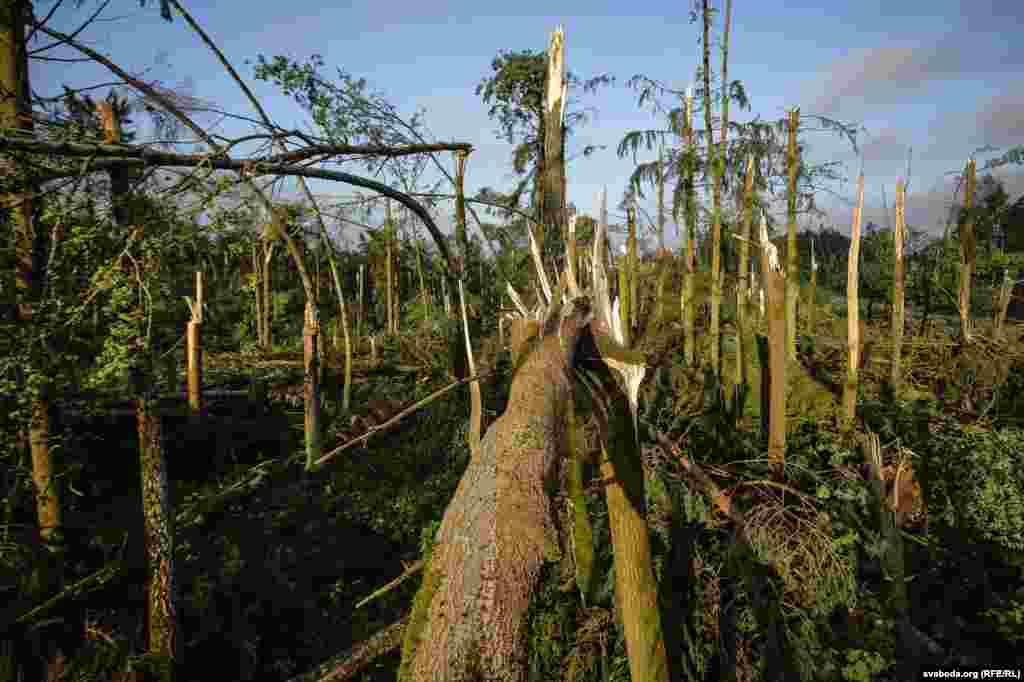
{"x": 553, "y": 216}
{"x": 967, "y": 252}
{"x": 424, "y": 296}
{"x": 743, "y": 354}
{"x": 389, "y": 232}
{"x": 716, "y": 292}
{"x": 853, "y": 315}
{"x": 898, "y": 294}
{"x": 792, "y": 256}
{"x": 161, "y": 611}
{"x": 688, "y": 304}
{"x": 16, "y": 114}
{"x": 268, "y": 301}
{"x": 812, "y": 295}
{"x": 1002, "y": 304}
{"x": 475, "y": 397}
{"x": 775, "y": 289}
{"x": 346, "y": 387}
{"x": 457, "y": 352}
{"x": 716, "y": 201}
{"x": 631, "y": 270}
{"x": 661, "y": 200}
{"x": 636, "y": 589}
{"x": 162, "y": 632}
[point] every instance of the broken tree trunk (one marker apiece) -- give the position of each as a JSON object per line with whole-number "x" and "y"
{"x": 469, "y": 619}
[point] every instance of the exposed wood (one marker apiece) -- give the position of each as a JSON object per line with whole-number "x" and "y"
{"x": 896, "y": 377}
{"x": 792, "y": 255}
{"x": 853, "y": 314}
{"x": 195, "y": 350}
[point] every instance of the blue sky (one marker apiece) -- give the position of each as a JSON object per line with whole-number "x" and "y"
{"x": 941, "y": 75}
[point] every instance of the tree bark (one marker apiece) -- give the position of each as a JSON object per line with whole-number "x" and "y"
{"x": 898, "y": 295}
{"x": 792, "y": 256}
{"x": 469, "y": 618}
{"x": 967, "y": 252}
{"x": 636, "y": 589}
{"x": 161, "y": 611}
{"x": 553, "y": 201}
{"x": 716, "y": 201}
{"x": 688, "y": 304}
{"x": 853, "y": 315}
{"x": 16, "y": 114}
{"x": 743, "y": 354}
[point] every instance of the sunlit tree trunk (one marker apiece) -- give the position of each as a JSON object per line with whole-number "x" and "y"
{"x": 720, "y": 158}
{"x": 688, "y": 304}
{"x": 853, "y": 315}
{"x": 716, "y": 201}
{"x": 743, "y": 354}
{"x": 792, "y": 256}
{"x": 898, "y": 294}
{"x": 635, "y": 586}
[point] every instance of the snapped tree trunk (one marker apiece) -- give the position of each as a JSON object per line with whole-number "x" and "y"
{"x": 792, "y": 257}
{"x": 853, "y": 315}
{"x": 1002, "y": 304}
{"x": 743, "y": 354}
{"x": 898, "y": 295}
{"x": 967, "y": 252}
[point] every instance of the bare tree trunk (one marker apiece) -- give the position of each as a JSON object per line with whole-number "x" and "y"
{"x": 311, "y": 385}
{"x": 631, "y": 302}
{"x": 195, "y": 350}
{"x": 162, "y": 635}
{"x": 716, "y": 292}
{"x": 967, "y": 253}
{"x": 424, "y": 296}
{"x": 389, "y": 232}
{"x": 635, "y": 586}
{"x": 1002, "y": 304}
{"x": 268, "y": 301}
{"x": 716, "y": 199}
{"x": 257, "y": 273}
{"x": 775, "y": 287}
{"x": 553, "y": 202}
{"x": 812, "y": 296}
{"x": 792, "y": 257}
{"x": 898, "y": 295}
{"x": 16, "y": 114}
{"x": 469, "y": 618}
{"x": 743, "y": 355}
{"x": 161, "y": 609}
{"x": 688, "y": 304}
{"x": 661, "y": 199}
{"x": 853, "y": 315}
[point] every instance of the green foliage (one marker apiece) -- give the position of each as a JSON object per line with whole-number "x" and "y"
{"x": 862, "y": 666}
{"x": 975, "y": 481}
{"x": 1009, "y": 620}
